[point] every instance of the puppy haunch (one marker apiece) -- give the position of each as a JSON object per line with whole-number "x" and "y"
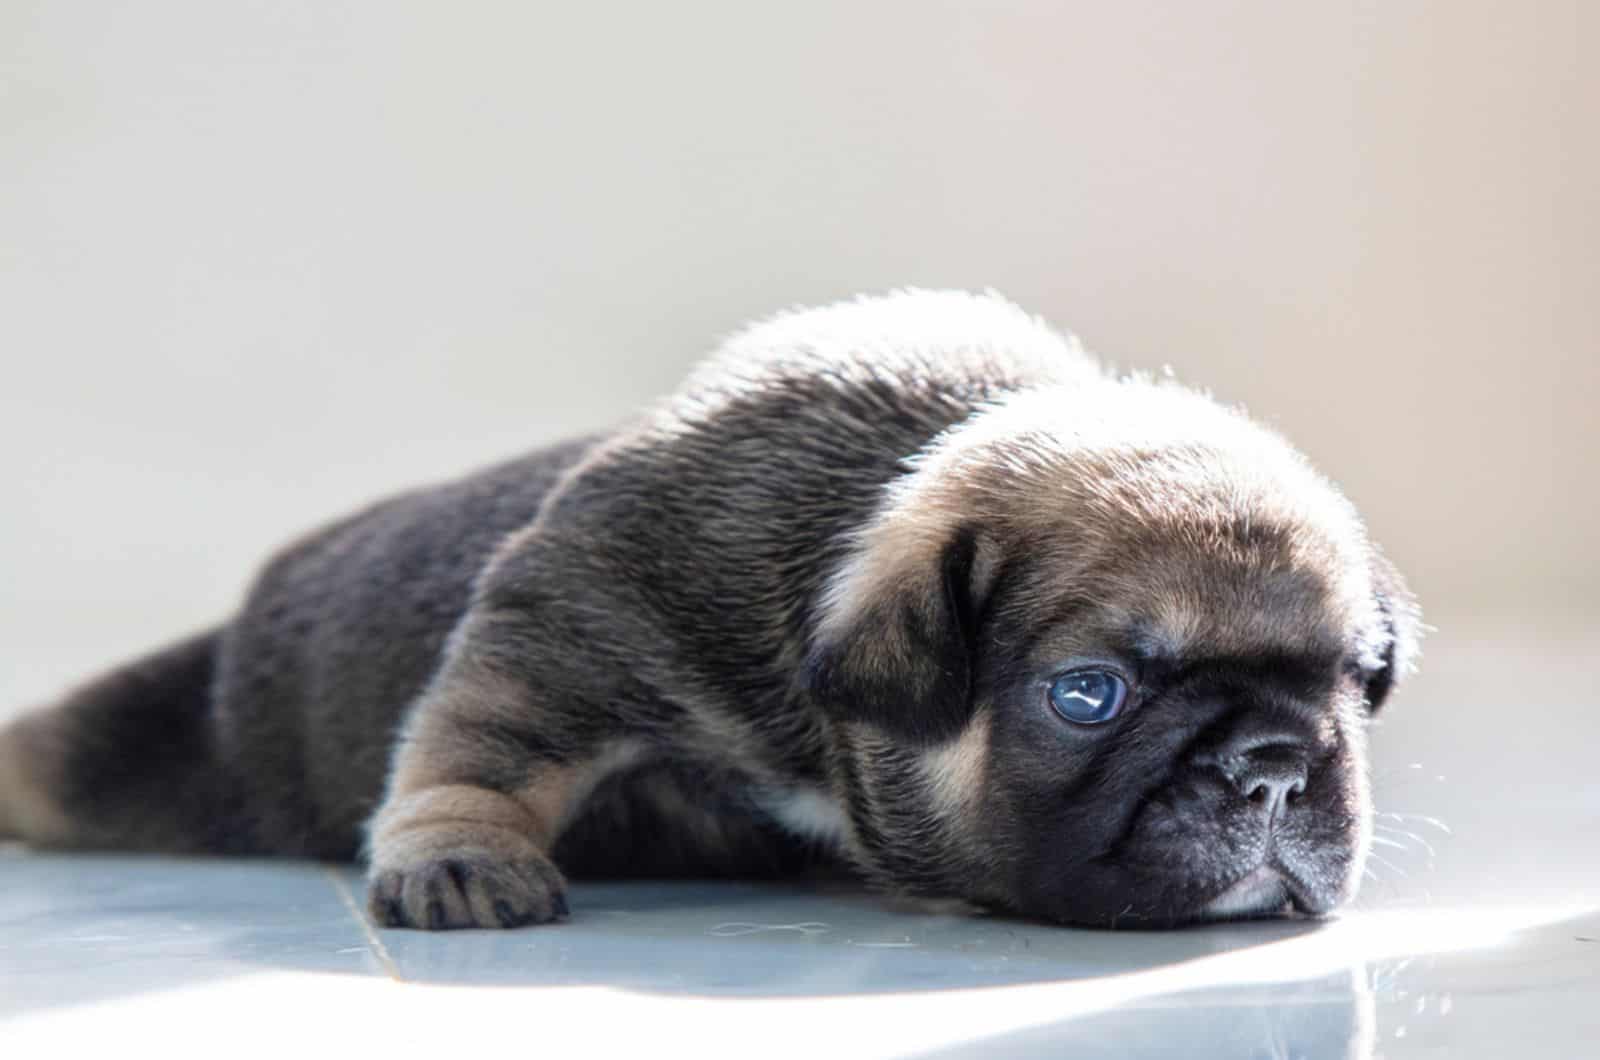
{"x": 845, "y": 598}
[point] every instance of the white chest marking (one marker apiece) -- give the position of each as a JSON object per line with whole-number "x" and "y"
{"x": 807, "y": 813}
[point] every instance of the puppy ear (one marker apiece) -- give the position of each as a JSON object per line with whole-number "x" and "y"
{"x": 1402, "y": 631}
{"x": 895, "y": 637}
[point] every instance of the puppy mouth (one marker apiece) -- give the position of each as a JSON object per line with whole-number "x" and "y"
{"x": 1264, "y": 891}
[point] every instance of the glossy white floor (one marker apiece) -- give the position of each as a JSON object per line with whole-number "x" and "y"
{"x": 1477, "y": 935}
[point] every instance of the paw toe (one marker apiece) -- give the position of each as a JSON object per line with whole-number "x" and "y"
{"x": 467, "y": 891}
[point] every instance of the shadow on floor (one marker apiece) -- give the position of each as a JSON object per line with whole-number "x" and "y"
{"x": 79, "y": 927}
{"x": 76, "y": 929}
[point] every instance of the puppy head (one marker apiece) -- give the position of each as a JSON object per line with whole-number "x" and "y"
{"x": 1106, "y": 656}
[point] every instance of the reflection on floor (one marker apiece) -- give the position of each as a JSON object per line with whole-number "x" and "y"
{"x": 1478, "y": 935}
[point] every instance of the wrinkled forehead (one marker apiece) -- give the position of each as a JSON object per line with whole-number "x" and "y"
{"x": 1176, "y": 602}
{"x": 1210, "y": 610}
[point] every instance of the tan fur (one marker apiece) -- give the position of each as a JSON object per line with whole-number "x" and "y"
{"x": 501, "y": 842}
{"x": 1127, "y": 455}
{"x": 433, "y": 754}
{"x": 557, "y": 798}
{"x": 538, "y": 809}
{"x": 954, "y": 773}
{"x": 26, "y": 809}
{"x": 488, "y": 694}
{"x": 463, "y": 808}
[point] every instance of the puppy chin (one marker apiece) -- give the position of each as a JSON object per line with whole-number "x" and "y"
{"x": 1262, "y": 892}
{"x": 1271, "y": 890}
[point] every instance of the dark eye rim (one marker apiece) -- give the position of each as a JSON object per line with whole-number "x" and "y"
{"x": 1117, "y": 673}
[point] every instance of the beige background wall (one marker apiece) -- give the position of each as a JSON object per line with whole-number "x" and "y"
{"x": 262, "y": 261}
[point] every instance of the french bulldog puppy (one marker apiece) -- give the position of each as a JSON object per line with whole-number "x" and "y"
{"x": 908, "y": 584}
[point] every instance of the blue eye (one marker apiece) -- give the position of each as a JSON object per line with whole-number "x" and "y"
{"x": 1088, "y": 697}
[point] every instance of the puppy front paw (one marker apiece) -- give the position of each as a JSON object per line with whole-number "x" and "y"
{"x": 446, "y": 878}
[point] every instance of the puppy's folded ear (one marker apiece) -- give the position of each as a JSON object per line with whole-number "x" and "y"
{"x": 894, "y": 638}
{"x": 1401, "y": 633}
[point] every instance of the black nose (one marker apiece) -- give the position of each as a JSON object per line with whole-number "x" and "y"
{"x": 1269, "y": 777}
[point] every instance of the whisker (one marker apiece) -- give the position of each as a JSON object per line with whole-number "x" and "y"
{"x": 1385, "y": 841}
{"x": 1424, "y": 818}
{"x": 1393, "y": 834}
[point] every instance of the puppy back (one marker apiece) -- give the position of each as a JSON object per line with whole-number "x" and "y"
{"x": 920, "y": 345}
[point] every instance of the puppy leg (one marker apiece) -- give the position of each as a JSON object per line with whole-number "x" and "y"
{"x": 461, "y": 855}
{"x": 486, "y": 775}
